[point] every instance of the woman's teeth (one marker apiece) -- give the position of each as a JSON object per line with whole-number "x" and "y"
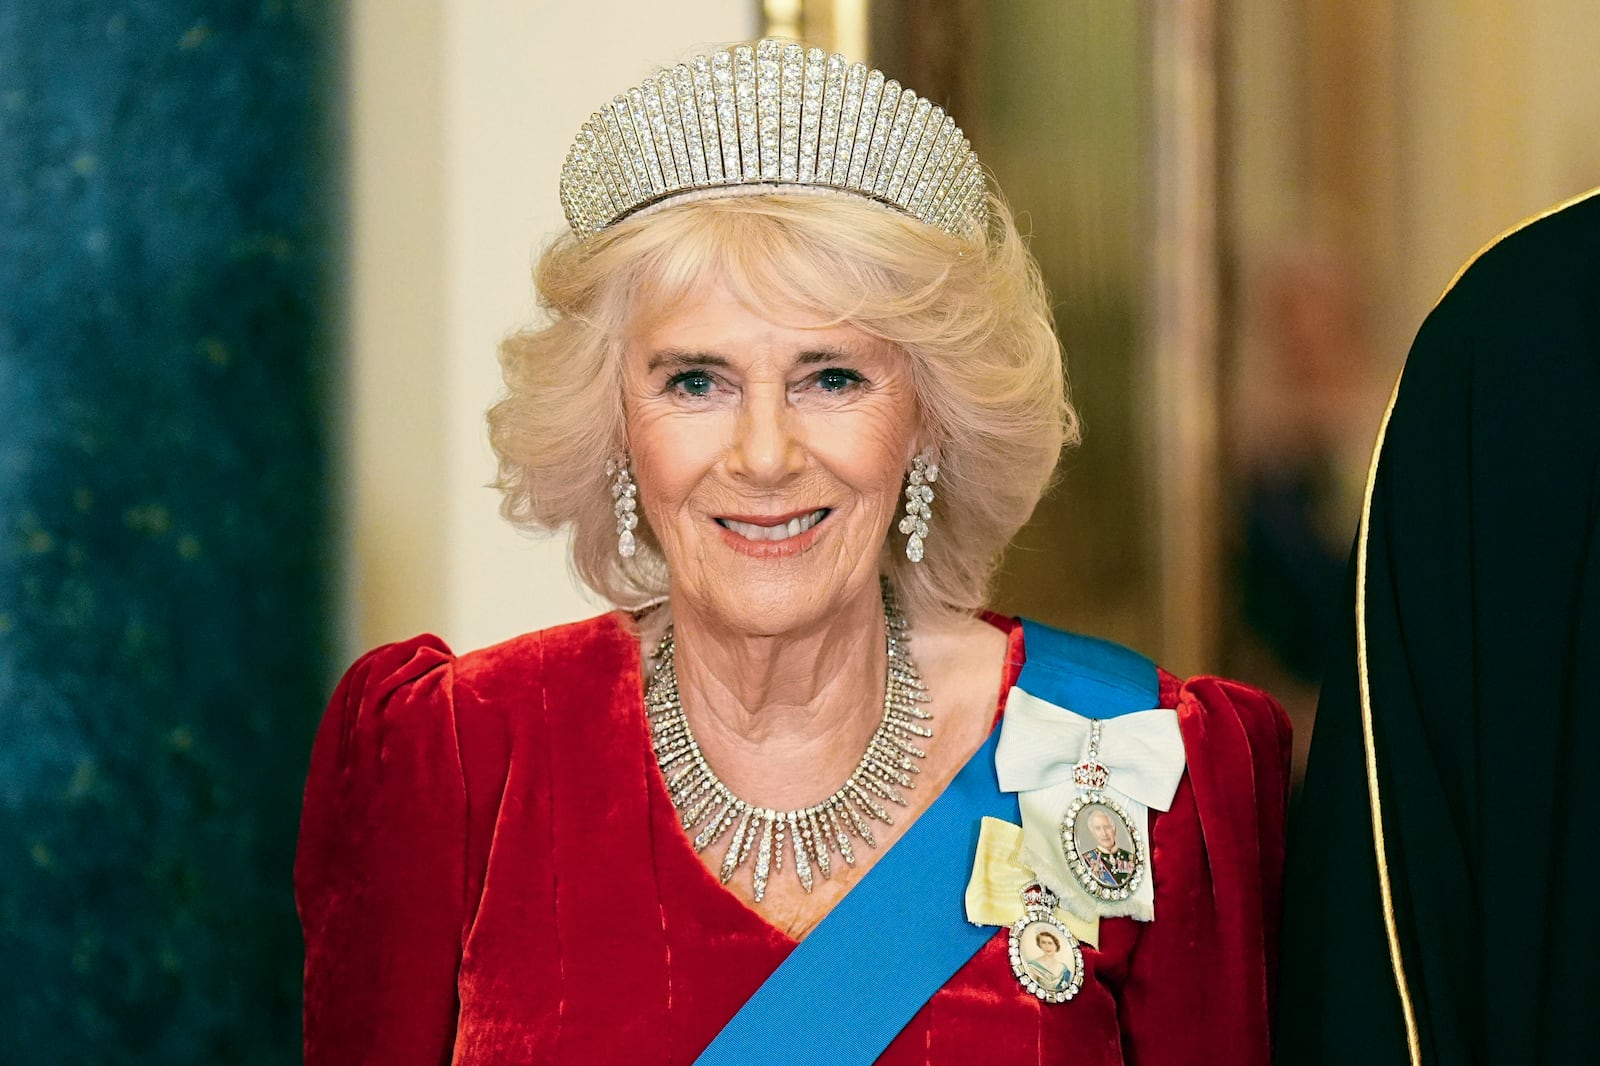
{"x": 783, "y": 531}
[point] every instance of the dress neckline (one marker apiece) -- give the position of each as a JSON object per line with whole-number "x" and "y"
{"x": 656, "y": 784}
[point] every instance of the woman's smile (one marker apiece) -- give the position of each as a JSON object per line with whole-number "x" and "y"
{"x": 780, "y": 537}
{"x": 765, "y": 537}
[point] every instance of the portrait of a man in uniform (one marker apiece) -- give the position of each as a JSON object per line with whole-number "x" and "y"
{"x": 1105, "y": 845}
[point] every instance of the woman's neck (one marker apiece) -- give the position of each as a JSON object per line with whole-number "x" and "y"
{"x": 783, "y": 719}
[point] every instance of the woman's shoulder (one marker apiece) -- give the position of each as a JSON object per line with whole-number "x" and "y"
{"x": 391, "y": 666}
{"x": 1227, "y": 723}
{"x": 603, "y": 644}
{"x": 1214, "y": 713}
{"x": 1201, "y": 694}
{"x": 1212, "y": 696}
{"x": 1237, "y": 751}
{"x": 425, "y": 665}
{"x": 416, "y": 707}
{"x": 388, "y": 691}
{"x": 418, "y": 693}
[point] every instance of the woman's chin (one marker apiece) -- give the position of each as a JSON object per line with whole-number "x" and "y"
{"x": 772, "y": 600}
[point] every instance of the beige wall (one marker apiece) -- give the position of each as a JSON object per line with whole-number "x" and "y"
{"x": 461, "y": 113}
{"x": 1370, "y": 148}
{"x": 1407, "y": 133}
{"x": 1501, "y": 119}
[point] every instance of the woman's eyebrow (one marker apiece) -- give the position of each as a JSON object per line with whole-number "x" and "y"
{"x": 826, "y": 355}
{"x": 681, "y": 357}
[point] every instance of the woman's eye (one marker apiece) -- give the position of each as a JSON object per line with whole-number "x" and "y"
{"x": 837, "y": 379}
{"x": 691, "y": 383}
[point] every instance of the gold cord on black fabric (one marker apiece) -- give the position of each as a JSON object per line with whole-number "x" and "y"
{"x": 1369, "y": 744}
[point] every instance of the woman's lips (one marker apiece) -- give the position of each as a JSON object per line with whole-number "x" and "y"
{"x": 772, "y": 536}
{"x": 778, "y": 527}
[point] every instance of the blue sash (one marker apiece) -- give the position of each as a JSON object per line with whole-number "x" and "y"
{"x": 902, "y": 931}
{"x": 1096, "y": 678}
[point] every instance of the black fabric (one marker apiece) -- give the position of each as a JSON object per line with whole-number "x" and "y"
{"x": 1483, "y": 637}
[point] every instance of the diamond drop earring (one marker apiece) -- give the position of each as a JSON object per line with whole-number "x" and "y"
{"x": 626, "y": 493}
{"x": 919, "y": 500}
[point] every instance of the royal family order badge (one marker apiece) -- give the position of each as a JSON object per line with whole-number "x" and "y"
{"x": 1045, "y": 956}
{"x": 1100, "y": 838}
{"x": 1085, "y": 789}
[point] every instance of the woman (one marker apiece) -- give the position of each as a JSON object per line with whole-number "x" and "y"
{"x": 798, "y": 390}
{"x": 1452, "y": 784}
{"x": 1050, "y": 969}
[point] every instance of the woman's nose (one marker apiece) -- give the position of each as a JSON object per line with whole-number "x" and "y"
{"x": 766, "y": 447}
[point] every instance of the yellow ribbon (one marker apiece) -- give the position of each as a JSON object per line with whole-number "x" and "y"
{"x": 994, "y": 893}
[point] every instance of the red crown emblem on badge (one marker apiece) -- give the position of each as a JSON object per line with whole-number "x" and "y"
{"x": 1037, "y": 895}
{"x": 1090, "y": 775}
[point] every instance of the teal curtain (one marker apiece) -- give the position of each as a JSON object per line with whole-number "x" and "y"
{"x": 169, "y": 255}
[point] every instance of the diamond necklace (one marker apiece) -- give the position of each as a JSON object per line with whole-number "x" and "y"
{"x": 810, "y": 833}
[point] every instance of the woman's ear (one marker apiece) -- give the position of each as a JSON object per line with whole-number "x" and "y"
{"x": 922, "y": 443}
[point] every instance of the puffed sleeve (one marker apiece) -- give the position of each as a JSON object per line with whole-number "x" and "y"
{"x": 379, "y": 874}
{"x": 1201, "y": 976}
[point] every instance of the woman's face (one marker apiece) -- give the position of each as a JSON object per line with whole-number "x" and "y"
{"x": 769, "y": 456}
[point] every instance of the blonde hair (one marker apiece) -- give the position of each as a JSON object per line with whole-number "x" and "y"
{"x": 972, "y": 315}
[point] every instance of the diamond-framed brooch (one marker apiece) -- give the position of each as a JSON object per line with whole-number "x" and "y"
{"x": 1045, "y": 957}
{"x": 1103, "y": 846}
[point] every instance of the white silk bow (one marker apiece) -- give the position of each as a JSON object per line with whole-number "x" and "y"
{"x": 1041, "y": 743}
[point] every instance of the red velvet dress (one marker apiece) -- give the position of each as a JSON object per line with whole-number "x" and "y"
{"x": 491, "y": 871}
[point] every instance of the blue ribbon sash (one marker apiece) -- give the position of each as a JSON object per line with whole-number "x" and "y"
{"x": 919, "y": 884}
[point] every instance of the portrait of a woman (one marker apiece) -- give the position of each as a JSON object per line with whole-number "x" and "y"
{"x": 1048, "y": 966}
{"x": 798, "y": 388}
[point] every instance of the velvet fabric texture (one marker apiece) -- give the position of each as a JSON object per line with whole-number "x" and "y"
{"x": 1483, "y": 631}
{"x": 491, "y": 871}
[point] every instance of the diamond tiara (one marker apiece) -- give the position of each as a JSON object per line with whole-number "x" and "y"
{"x": 767, "y": 118}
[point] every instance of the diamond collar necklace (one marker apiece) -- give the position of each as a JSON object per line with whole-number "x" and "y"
{"x": 809, "y": 834}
